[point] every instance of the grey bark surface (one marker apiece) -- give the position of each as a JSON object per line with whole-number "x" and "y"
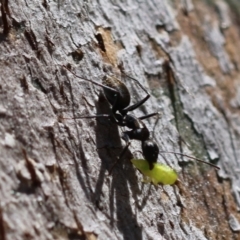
{"x": 54, "y": 171}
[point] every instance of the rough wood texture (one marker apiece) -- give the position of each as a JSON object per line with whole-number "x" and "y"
{"x": 54, "y": 171}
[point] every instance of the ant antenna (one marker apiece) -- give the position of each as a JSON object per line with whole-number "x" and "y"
{"x": 196, "y": 159}
{"x": 91, "y": 81}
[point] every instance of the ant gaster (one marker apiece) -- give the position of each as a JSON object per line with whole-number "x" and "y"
{"x": 119, "y": 97}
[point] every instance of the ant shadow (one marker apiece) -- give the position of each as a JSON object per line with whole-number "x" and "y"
{"x": 108, "y": 141}
{"x": 124, "y": 178}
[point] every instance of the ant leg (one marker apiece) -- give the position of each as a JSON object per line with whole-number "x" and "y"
{"x": 136, "y": 105}
{"x": 111, "y": 117}
{"x": 149, "y": 115}
{"x": 126, "y": 138}
{"x": 93, "y": 116}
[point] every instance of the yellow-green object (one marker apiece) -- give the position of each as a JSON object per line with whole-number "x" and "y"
{"x": 159, "y": 174}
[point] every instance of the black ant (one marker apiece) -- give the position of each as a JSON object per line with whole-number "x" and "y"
{"x": 119, "y": 97}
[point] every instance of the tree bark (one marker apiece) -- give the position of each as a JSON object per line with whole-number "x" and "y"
{"x": 54, "y": 166}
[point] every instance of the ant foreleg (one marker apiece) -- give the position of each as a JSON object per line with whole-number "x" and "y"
{"x": 93, "y": 116}
{"x": 114, "y": 118}
{"x": 149, "y": 115}
{"x": 136, "y": 105}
